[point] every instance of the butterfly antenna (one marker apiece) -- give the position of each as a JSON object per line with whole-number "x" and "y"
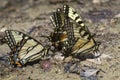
{"x": 4, "y": 58}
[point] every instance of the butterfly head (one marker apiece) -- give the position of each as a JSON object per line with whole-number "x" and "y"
{"x": 59, "y": 10}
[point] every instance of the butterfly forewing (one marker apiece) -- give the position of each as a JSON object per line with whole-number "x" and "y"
{"x": 57, "y": 19}
{"x": 27, "y": 49}
{"x": 12, "y": 38}
{"x": 72, "y": 14}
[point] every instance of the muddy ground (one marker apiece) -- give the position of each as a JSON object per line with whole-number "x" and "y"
{"x": 101, "y": 16}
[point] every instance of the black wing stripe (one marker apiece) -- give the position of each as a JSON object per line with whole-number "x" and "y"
{"x": 28, "y": 50}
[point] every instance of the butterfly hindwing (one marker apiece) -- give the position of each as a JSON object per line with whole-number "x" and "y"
{"x": 31, "y": 50}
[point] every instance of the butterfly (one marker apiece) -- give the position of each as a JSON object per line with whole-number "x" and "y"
{"x": 24, "y": 48}
{"x": 78, "y": 38}
{"x": 59, "y": 36}
{"x": 85, "y": 41}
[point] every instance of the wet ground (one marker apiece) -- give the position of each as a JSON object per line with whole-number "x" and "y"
{"x": 102, "y": 18}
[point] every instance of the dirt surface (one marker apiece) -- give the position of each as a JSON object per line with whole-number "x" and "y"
{"x": 102, "y": 18}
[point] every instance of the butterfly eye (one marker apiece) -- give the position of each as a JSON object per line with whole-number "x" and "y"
{"x": 59, "y": 10}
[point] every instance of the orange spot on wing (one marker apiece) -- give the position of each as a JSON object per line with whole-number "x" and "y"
{"x": 18, "y": 64}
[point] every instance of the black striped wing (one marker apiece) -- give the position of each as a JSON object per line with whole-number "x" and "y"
{"x": 23, "y": 48}
{"x": 74, "y": 16}
{"x": 85, "y": 41}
